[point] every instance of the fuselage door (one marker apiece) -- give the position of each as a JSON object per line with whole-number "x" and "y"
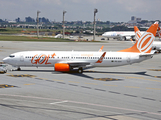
{"x": 128, "y": 58}
{"x": 21, "y": 58}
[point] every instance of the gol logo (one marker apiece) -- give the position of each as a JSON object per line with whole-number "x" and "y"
{"x": 42, "y": 58}
{"x": 145, "y": 42}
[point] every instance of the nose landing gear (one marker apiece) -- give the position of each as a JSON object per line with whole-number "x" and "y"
{"x": 18, "y": 69}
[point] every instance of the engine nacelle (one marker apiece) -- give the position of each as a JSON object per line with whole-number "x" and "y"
{"x": 62, "y": 67}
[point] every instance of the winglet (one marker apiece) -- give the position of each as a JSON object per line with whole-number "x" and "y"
{"x": 100, "y": 50}
{"x": 144, "y": 44}
{"x": 101, "y": 58}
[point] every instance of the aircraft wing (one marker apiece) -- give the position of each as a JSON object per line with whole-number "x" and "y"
{"x": 84, "y": 63}
{"x": 78, "y": 64}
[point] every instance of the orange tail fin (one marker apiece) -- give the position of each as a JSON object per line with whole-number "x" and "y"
{"x": 137, "y": 33}
{"x": 144, "y": 44}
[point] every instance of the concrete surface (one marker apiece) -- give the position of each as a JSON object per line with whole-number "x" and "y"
{"x": 118, "y": 93}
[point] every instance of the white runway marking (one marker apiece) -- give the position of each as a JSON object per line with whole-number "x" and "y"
{"x": 84, "y": 103}
{"x": 59, "y": 102}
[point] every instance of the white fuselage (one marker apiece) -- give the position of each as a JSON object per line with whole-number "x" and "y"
{"x": 49, "y": 58}
{"x": 118, "y": 33}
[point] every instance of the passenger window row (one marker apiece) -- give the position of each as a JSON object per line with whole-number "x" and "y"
{"x": 78, "y": 57}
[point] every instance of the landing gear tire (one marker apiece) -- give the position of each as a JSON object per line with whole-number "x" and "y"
{"x": 80, "y": 70}
{"x": 19, "y": 69}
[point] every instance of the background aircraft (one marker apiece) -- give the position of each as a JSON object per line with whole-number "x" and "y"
{"x": 120, "y": 35}
{"x": 58, "y": 36}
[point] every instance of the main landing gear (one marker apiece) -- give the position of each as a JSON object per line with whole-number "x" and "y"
{"x": 80, "y": 70}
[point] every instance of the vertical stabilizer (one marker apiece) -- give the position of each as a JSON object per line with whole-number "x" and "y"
{"x": 144, "y": 43}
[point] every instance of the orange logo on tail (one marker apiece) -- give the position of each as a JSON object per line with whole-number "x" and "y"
{"x": 145, "y": 42}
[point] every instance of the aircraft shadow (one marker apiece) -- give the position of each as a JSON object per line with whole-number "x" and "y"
{"x": 139, "y": 73}
{"x": 89, "y": 77}
{"x": 36, "y": 70}
{"x": 136, "y": 73}
{"x": 75, "y": 73}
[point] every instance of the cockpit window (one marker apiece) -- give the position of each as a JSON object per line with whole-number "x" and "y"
{"x": 11, "y": 56}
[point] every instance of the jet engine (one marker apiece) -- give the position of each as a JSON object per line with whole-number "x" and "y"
{"x": 62, "y": 67}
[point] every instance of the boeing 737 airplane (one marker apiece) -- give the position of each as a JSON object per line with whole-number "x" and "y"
{"x": 121, "y": 35}
{"x": 64, "y": 61}
{"x": 156, "y": 45}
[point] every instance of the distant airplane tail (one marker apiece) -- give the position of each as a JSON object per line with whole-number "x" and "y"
{"x": 159, "y": 32}
{"x": 144, "y": 43}
{"x": 137, "y": 33}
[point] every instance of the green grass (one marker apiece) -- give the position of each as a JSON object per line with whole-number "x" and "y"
{"x": 9, "y": 30}
{"x": 11, "y": 34}
{"x": 34, "y": 39}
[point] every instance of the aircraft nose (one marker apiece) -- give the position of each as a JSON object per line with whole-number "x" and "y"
{"x": 6, "y": 60}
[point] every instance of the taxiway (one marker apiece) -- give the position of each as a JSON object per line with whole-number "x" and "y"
{"x": 129, "y": 92}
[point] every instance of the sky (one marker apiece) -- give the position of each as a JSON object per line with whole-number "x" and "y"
{"x": 108, "y": 10}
